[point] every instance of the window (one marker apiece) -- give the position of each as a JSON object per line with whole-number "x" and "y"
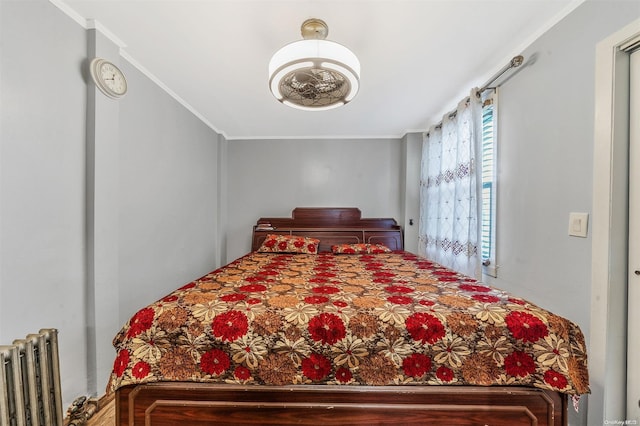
{"x": 488, "y": 222}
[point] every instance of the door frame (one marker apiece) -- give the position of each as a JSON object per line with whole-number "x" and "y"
{"x": 633, "y": 280}
{"x": 609, "y": 254}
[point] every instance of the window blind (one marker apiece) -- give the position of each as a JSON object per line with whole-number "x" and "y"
{"x": 488, "y": 186}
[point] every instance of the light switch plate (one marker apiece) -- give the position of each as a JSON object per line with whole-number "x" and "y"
{"x": 578, "y": 224}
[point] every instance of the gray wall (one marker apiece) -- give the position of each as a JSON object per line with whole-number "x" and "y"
{"x": 272, "y": 177}
{"x": 42, "y": 186}
{"x": 545, "y": 161}
{"x": 545, "y": 166}
{"x": 168, "y": 195}
{"x": 105, "y": 205}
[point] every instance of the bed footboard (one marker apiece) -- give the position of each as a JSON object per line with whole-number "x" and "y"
{"x": 202, "y": 404}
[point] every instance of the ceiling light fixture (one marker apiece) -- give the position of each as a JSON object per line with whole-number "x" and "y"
{"x": 314, "y": 73}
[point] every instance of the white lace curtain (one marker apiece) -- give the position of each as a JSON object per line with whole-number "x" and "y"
{"x": 450, "y": 194}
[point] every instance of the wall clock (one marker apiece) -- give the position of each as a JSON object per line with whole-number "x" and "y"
{"x": 108, "y": 78}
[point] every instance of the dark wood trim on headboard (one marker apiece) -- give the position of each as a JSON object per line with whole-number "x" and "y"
{"x": 331, "y": 225}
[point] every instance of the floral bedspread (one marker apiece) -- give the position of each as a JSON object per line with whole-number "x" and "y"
{"x": 382, "y": 319}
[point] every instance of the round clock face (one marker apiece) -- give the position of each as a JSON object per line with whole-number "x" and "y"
{"x": 108, "y": 78}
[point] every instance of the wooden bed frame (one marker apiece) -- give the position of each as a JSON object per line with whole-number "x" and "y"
{"x": 171, "y": 403}
{"x": 331, "y": 225}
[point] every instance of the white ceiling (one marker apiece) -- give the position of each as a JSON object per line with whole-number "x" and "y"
{"x": 418, "y": 57}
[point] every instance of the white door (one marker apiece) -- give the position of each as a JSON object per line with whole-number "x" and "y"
{"x": 633, "y": 330}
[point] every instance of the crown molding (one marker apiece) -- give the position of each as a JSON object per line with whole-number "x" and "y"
{"x": 93, "y": 24}
{"x": 170, "y": 92}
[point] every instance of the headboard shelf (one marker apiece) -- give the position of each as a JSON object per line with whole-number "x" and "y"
{"x": 331, "y": 225}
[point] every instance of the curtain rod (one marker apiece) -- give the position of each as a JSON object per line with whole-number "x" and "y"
{"x": 515, "y": 63}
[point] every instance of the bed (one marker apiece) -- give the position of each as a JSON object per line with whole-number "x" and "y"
{"x": 329, "y": 321}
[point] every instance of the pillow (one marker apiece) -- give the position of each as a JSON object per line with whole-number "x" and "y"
{"x": 378, "y": 248}
{"x": 349, "y": 248}
{"x": 289, "y": 244}
{"x": 360, "y": 248}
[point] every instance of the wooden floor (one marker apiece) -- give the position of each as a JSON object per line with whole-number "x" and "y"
{"x": 106, "y": 416}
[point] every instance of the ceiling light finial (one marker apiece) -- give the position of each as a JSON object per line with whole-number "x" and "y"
{"x": 314, "y": 29}
{"x": 314, "y": 73}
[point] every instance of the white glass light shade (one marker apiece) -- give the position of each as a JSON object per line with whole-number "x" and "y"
{"x": 314, "y": 74}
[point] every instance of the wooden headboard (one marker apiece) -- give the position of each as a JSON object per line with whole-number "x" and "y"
{"x": 331, "y": 225}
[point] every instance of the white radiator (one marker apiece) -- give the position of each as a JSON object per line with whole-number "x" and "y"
{"x": 30, "y": 392}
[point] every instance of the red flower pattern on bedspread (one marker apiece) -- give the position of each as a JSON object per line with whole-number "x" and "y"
{"x": 230, "y": 325}
{"x": 359, "y": 319}
{"x": 525, "y": 326}
{"x": 425, "y": 328}
{"x": 121, "y": 362}
{"x": 326, "y": 328}
{"x": 416, "y": 365}
{"x": 214, "y": 362}
{"x": 140, "y": 322}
